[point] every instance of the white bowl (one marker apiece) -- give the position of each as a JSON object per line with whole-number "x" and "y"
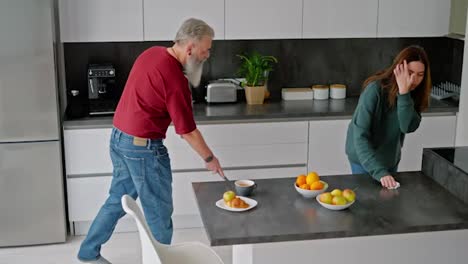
{"x": 311, "y": 193}
{"x": 334, "y": 207}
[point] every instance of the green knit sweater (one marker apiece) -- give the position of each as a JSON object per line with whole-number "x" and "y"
{"x": 376, "y": 132}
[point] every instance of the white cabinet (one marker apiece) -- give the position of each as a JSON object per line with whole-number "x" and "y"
{"x": 101, "y": 20}
{"x": 162, "y": 18}
{"x": 244, "y": 145}
{"x": 458, "y": 16}
{"x": 327, "y": 147}
{"x": 413, "y": 18}
{"x": 263, "y": 19}
{"x": 235, "y": 145}
{"x": 245, "y": 150}
{"x": 87, "y": 151}
{"x": 340, "y": 19}
{"x": 434, "y": 131}
{"x": 327, "y": 141}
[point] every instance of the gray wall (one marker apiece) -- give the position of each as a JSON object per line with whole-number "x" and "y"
{"x": 302, "y": 63}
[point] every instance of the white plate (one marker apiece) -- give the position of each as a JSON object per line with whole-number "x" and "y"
{"x": 251, "y": 202}
{"x": 333, "y": 207}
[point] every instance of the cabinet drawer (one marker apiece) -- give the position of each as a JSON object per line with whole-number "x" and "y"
{"x": 252, "y": 144}
{"x": 327, "y": 147}
{"x": 433, "y": 131}
{"x": 86, "y": 196}
{"x": 245, "y": 134}
{"x": 242, "y": 156}
{"x": 87, "y": 151}
{"x": 236, "y": 145}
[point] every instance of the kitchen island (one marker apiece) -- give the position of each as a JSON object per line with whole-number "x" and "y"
{"x": 399, "y": 224}
{"x": 273, "y": 140}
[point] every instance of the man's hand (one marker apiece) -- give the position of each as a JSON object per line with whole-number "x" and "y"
{"x": 196, "y": 141}
{"x": 215, "y": 167}
{"x": 403, "y": 78}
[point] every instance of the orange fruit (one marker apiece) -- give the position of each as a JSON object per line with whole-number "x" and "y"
{"x": 305, "y": 186}
{"x": 312, "y": 177}
{"x": 301, "y": 179}
{"x": 318, "y": 185}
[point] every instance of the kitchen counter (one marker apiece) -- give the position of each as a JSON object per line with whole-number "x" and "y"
{"x": 419, "y": 205}
{"x": 268, "y": 112}
{"x": 449, "y": 168}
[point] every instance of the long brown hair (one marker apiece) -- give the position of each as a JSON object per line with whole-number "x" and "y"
{"x": 388, "y": 82}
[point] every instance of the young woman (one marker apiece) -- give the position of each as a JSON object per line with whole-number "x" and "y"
{"x": 389, "y": 107}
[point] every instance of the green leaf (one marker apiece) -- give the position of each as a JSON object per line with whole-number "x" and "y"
{"x": 255, "y": 68}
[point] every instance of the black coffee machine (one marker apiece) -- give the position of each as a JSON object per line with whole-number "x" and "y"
{"x": 102, "y": 93}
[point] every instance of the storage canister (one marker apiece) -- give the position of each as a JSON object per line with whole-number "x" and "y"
{"x": 338, "y": 91}
{"x": 320, "y": 92}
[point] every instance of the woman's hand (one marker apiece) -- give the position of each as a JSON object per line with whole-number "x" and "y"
{"x": 388, "y": 181}
{"x": 403, "y": 77}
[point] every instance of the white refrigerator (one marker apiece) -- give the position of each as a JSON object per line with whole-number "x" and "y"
{"x": 31, "y": 178}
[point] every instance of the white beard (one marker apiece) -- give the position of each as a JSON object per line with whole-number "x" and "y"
{"x": 193, "y": 70}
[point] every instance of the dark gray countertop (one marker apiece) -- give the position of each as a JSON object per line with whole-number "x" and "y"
{"x": 449, "y": 168}
{"x": 268, "y": 112}
{"x": 419, "y": 205}
{"x": 458, "y": 156}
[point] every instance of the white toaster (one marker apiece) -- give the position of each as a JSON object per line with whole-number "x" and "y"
{"x": 221, "y": 92}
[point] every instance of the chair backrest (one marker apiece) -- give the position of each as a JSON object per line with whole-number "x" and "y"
{"x": 149, "y": 245}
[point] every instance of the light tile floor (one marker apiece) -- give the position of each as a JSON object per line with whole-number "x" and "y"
{"x": 122, "y": 248}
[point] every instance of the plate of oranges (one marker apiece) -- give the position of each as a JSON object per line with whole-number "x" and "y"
{"x": 310, "y": 185}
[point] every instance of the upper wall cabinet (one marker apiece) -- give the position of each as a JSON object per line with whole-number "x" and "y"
{"x": 263, "y": 19}
{"x": 458, "y": 16}
{"x": 340, "y": 19}
{"x": 413, "y": 18}
{"x": 163, "y": 18}
{"x": 103, "y": 20}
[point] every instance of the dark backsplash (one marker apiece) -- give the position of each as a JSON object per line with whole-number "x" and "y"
{"x": 302, "y": 63}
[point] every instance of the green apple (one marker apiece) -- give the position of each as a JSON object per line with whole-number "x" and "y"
{"x": 349, "y": 195}
{"x": 338, "y": 200}
{"x": 326, "y": 197}
{"x": 229, "y": 195}
{"x": 336, "y": 192}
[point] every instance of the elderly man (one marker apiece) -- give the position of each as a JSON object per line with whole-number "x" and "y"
{"x": 155, "y": 94}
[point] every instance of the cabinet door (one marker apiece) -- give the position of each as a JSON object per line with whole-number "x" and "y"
{"x": 86, "y": 151}
{"x": 263, "y": 19}
{"x": 327, "y": 147}
{"x": 458, "y": 16}
{"x": 434, "y": 131}
{"x": 103, "y": 20}
{"x": 162, "y": 19}
{"x": 340, "y": 19}
{"x": 413, "y": 18}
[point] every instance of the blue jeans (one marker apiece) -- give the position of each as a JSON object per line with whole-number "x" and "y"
{"x": 357, "y": 168}
{"x": 139, "y": 171}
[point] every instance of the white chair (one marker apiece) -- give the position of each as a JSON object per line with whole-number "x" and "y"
{"x": 154, "y": 252}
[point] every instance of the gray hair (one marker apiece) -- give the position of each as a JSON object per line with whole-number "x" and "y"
{"x": 193, "y": 29}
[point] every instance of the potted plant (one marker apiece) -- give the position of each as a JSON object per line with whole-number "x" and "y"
{"x": 255, "y": 68}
